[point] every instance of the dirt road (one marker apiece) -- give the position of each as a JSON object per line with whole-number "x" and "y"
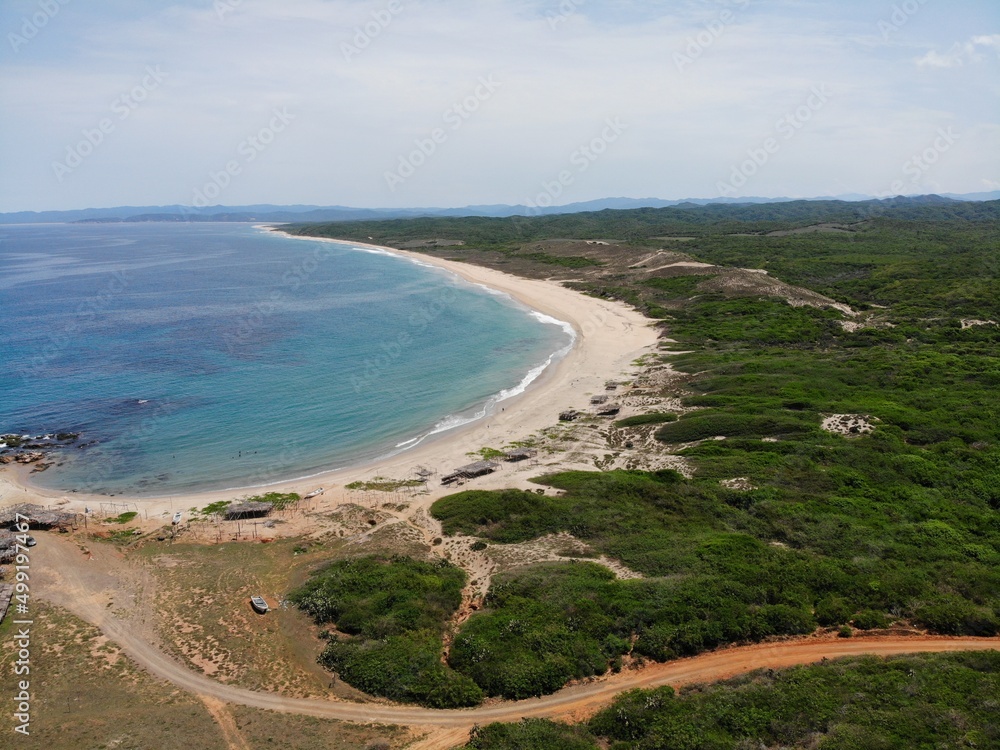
{"x": 63, "y": 575}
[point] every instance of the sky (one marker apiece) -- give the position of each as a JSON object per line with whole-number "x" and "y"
{"x": 446, "y": 103}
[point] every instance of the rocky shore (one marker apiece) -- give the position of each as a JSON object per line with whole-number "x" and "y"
{"x": 29, "y": 449}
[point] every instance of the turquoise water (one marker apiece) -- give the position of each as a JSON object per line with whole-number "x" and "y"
{"x": 194, "y": 356}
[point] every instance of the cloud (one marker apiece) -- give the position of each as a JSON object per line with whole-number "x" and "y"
{"x": 564, "y": 66}
{"x": 960, "y": 53}
{"x": 936, "y": 60}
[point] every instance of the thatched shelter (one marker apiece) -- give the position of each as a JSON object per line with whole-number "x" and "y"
{"x": 6, "y": 593}
{"x": 248, "y": 510}
{"x": 38, "y": 516}
{"x": 569, "y": 415}
{"x": 471, "y": 471}
{"x": 520, "y": 454}
{"x": 8, "y": 546}
{"x": 595, "y": 400}
{"x": 608, "y": 410}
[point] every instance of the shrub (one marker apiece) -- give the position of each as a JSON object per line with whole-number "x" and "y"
{"x": 644, "y": 419}
{"x": 396, "y": 611}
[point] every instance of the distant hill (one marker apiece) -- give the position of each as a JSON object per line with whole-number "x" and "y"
{"x": 270, "y": 213}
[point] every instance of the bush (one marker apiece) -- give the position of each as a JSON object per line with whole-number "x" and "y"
{"x": 869, "y": 619}
{"x": 531, "y": 734}
{"x": 704, "y": 425}
{"x": 643, "y": 419}
{"x": 396, "y": 610}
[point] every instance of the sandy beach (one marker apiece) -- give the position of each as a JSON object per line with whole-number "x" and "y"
{"x": 610, "y": 337}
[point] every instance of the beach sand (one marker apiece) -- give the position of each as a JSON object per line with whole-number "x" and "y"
{"x": 610, "y": 337}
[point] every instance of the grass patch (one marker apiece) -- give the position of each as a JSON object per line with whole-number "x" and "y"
{"x": 382, "y": 484}
{"x": 213, "y": 509}
{"x": 643, "y": 419}
{"x": 124, "y": 517}
{"x": 566, "y": 261}
{"x": 702, "y": 425}
{"x": 280, "y": 500}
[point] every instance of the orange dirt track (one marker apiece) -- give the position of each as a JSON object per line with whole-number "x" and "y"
{"x": 63, "y": 576}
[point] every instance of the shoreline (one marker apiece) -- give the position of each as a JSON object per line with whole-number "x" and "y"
{"x": 609, "y": 337}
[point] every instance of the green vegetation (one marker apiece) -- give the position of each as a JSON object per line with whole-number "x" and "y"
{"x": 487, "y": 454}
{"x": 390, "y": 615}
{"x": 725, "y": 565}
{"x": 383, "y": 484}
{"x": 280, "y": 500}
{"x": 678, "y": 287}
{"x": 530, "y": 734}
{"x": 897, "y": 525}
{"x": 926, "y": 701}
{"x": 546, "y": 626}
{"x": 566, "y": 261}
{"x": 644, "y": 419}
{"x": 215, "y": 508}
{"x": 121, "y": 536}
{"x": 702, "y": 425}
{"x": 124, "y": 517}
{"x": 648, "y": 223}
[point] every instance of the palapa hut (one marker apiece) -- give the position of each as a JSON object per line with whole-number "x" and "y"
{"x": 471, "y": 471}
{"x": 569, "y": 415}
{"x": 595, "y": 400}
{"x": 248, "y": 510}
{"x": 38, "y": 517}
{"x": 6, "y": 593}
{"x": 608, "y": 410}
{"x": 8, "y": 546}
{"x": 520, "y": 454}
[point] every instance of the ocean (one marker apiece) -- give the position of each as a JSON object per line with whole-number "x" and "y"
{"x": 211, "y": 356}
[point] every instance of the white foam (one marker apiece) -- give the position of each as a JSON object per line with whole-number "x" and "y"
{"x": 455, "y": 421}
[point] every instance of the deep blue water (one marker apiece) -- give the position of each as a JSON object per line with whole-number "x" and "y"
{"x": 202, "y": 356}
